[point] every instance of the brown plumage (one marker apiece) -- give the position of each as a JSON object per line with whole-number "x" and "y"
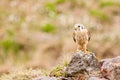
{"x": 81, "y": 36}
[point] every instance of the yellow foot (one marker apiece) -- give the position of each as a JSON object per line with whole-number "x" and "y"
{"x": 97, "y": 58}
{"x": 88, "y": 52}
{"x": 79, "y": 50}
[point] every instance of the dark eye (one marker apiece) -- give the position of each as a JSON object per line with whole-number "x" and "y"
{"x": 78, "y": 25}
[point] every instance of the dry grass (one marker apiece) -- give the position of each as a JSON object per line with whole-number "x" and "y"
{"x": 22, "y": 75}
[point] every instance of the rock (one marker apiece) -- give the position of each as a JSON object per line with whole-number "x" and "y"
{"x": 96, "y": 78}
{"x": 111, "y": 68}
{"x": 81, "y": 63}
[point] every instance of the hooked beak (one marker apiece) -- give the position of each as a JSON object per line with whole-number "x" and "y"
{"x": 75, "y": 28}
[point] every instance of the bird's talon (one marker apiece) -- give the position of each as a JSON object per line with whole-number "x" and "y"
{"x": 88, "y": 52}
{"x": 79, "y": 50}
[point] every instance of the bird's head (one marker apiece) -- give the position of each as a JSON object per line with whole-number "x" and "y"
{"x": 79, "y": 27}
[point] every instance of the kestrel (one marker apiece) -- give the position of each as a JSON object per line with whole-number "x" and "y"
{"x": 81, "y": 36}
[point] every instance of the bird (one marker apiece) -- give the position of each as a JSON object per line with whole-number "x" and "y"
{"x": 81, "y": 37}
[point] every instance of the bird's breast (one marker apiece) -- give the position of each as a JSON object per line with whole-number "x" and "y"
{"x": 81, "y": 37}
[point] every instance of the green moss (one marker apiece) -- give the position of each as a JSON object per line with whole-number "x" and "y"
{"x": 49, "y": 28}
{"x": 50, "y": 7}
{"x": 8, "y": 45}
{"x": 59, "y": 1}
{"x": 108, "y": 3}
{"x": 99, "y": 14}
{"x": 58, "y": 71}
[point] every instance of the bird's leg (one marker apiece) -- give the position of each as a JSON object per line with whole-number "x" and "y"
{"x": 85, "y": 49}
{"x": 88, "y": 52}
{"x": 79, "y": 48}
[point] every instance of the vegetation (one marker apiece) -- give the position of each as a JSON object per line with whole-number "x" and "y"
{"x": 109, "y": 3}
{"x": 49, "y": 28}
{"x": 59, "y": 70}
{"x": 60, "y": 1}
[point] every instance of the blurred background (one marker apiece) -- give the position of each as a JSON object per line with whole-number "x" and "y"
{"x": 38, "y": 33}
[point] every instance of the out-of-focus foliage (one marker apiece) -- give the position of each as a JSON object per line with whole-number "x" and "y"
{"x": 60, "y": 1}
{"x": 48, "y": 28}
{"x": 99, "y": 14}
{"x": 109, "y": 3}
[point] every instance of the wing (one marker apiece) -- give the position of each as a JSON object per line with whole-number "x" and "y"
{"x": 89, "y": 35}
{"x": 74, "y": 36}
